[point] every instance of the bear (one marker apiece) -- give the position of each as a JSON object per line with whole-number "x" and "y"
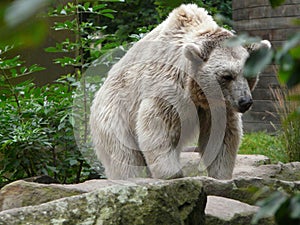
{"x": 178, "y": 84}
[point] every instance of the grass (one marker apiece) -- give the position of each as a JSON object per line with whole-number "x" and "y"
{"x": 264, "y": 144}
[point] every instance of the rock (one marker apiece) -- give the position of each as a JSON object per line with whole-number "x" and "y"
{"x": 246, "y": 166}
{"x": 22, "y": 193}
{"x": 224, "y": 211}
{"x": 190, "y": 162}
{"x": 247, "y": 189}
{"x": 252, "y": 160}
{"x": 221, "y": 210}
{"x": 152, "y": 201}
{"x": 180, "y": 201}
{"x": 287, "y": 172}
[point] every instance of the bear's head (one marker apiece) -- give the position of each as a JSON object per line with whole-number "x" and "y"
{"x": 204, "y": 46}
{"x": 225, "y": 64}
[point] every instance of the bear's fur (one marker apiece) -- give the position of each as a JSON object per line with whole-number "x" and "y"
{"x": 178, "y": 83}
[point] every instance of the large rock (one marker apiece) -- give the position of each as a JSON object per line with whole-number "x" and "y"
{"x": 246, "y": 166}
{"x": 22, "y": 193}
{"x": 251, "y": 160}
{"x": 181, "y": 193}
{"x": 287, "y": 172}
{"x": 179, "y": 201}
{"x": 247, "y": 189}
{"x": 190, "y": 162}
{"x": 150, "y": 201}
{"x": 224, "y": 211}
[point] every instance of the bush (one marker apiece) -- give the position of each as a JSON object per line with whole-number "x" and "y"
{"x": 264, "y": 144}
{"x": 283, "y": 207}
{"x": 287, "y": 105}
{"x": 37, "y": 134}
{"x": 142, "y": 16}
{"x": 288, "y": 102}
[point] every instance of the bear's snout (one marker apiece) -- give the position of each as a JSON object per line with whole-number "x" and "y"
{"x": 245, "y": 103}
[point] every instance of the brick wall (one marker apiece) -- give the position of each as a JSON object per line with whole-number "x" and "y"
{"x": 257, "y": 18}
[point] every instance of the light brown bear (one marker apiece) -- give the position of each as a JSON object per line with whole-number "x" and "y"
{"x": 178, "y": 83}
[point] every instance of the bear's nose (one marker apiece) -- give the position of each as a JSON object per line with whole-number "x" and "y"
{"x": 245, "y": 103}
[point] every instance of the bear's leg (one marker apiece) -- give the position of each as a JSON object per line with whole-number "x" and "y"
{"x": 165, "y": 166}
{"x": 223, "y": 164}
{"x": 120, "y": 160}
{"x": 222, "y": 167}
{"x": 126, "y": 164}
{"x": 158, "y": 136}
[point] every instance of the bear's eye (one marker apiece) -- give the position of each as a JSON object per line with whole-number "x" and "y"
{"x": 228, "y": 77}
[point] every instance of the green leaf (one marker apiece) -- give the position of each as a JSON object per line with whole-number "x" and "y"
{"x": 52, "y": 168}
{"x": 294, "y": 75}
{"x": 67, "y": 61}
{"x": 257, "y": 61}
{"x": 113, "y": 0}
{"x": 276, "y": 3}
{"x": 23, "y": 70}
{"x": 295, "y": 207}
{"x": 108, "y": 11}
{"x": 73, "y": 162}
{"x": 100, "y": 6}
{"x": 36, "y": 68}
{"x": 287, "y": 46}
{"x": 289, "y": 58}
{"x": 51, "y": 49}
{"x": 86, "y": 5}
{"x": 169, "y": 3}
{"x": 29, "y": 34}
{"x": 111, "y": 16}
{"x": 269, "y": 206}
{"x": 21, "y": 10}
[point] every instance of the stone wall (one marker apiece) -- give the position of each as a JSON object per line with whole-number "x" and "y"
{"x": 258, "y": 18}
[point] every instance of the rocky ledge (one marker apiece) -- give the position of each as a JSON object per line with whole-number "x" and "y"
{"x": 191, "y": 200}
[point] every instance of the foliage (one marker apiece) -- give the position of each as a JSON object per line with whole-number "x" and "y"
{"x": 80, "y": 20}
{"x": 142, "y": 16}
{"x": 37, "y": 122}
{"x": 223, "y": 7}
{"x": 291, "y": 135}
{"x": 17, "y": 23}
{"x": 90, "y": 43}
{"x": 284, "y": 208}
{"x": 276, "y": 3}
{"x": 36, "y": 131}
{"x": 139, "y": 17}
{"x": 287, "y": 106}
{"x": 288, "y": 57}
{"x": 264, "y": 144}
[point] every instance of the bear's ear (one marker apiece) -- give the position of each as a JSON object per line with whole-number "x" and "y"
{"x": 192, "y": 52}
{"x": 196, "y": 53}
{"x": 256, "y": 46}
